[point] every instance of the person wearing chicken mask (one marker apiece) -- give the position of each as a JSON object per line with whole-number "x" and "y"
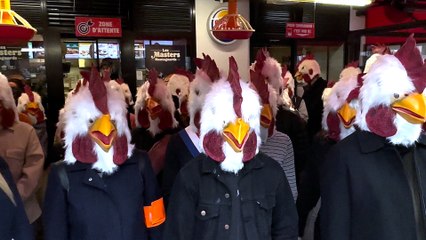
{"x": 231, "y": 191}
{"x": 308, "y": 72}
{"x": 104, "y": 188}
{"x": 185, "y": 145}
{"x": 373, "y": 182}
{"x": 275, "y": 144}
{"x": 22, "y": 151}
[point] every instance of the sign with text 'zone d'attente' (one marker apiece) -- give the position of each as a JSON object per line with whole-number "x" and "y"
{"x": 165, "y": 59}
{"x": 97, "y": 27}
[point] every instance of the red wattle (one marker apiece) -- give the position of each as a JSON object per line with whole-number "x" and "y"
{"x": 82, "y": 148}
{"x": 143, "y": 118}
{"x": 212, "y": 144}
{"x": 250, "y": 147}
{"x": 166, "y": 120}
{"x": 380, "y": 121}
{"x": 333, "y": 126}
{"x": 7, "y": 117}
{"x": 120, "y": 150}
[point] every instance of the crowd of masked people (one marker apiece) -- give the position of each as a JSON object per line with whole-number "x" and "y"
{"x": 210, "y": 155}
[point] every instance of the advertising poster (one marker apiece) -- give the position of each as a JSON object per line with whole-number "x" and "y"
{"x": 165, "y": 59}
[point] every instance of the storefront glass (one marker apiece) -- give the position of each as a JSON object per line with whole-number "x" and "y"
{"x": 79, "y": 55}
{"x": 28, "y": 62}
{"x": 330, "y": 59}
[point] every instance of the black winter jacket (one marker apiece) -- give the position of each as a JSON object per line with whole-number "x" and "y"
{"x": 201, "y": 203}
{"x": 365, "y": 191}
{"x": 101, "y": 208}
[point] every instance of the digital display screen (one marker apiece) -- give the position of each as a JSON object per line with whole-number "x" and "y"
{"x": 107, "y": 50}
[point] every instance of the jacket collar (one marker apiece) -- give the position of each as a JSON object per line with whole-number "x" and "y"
{"x": 370, "y": 142}
{"x": 208, "y": 165}
{"x": 79, "y": 166}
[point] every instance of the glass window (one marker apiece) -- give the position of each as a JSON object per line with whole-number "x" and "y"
{"x": 79, "y": 55}
{"x": 28, "y": 62}
{"x": 330, "y": 59}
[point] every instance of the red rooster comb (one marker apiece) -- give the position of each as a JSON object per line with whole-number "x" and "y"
{"x": 412, "y": 60}
{"x": 152, "y": 78}
{"x": 308, "y": 56}
{"x": 353, "y": 64}
{"x": 259, "y": 82}
{"x": 208, "y": 66}
{"x": 120, "y": 81}
{"x": 284, "y": 70}
{"x": 29, "y": 92}
{"x": 261, "y": 56}
{"x": 380, "y": 49}
{"x": 234, "y": 81}
{"x": 86, "y": 76}
{"x": 186, "y": 73}
{"x": 354, "y": 94}
{"x": 98, "y": 90}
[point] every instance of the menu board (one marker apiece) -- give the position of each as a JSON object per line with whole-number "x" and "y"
{"x": 107, "y": 50}
{"x": 88, "y": 50}
{"x": 72, "y": 51}
{"x": 84, "y": 50}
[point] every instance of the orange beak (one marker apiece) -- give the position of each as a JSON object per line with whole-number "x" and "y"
{"x": 153, "y": 107}
{"x": 298, "y": 76}
{"x": 32, "y": 105}
{"x": 412, "y": 108}
{"x": 266, "y": 116}
{"x": 236, "y": 134}
{"x": 347, "y": 115}
{"x": 103, "y": 132}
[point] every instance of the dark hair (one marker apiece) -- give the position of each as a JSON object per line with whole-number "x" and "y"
{"x": 107, "y": 62}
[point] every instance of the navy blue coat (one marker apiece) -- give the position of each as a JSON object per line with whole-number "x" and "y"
{"x": 101, "y": 208}
{"x": 13, "y": 220}
{"x": 365, "y": 192}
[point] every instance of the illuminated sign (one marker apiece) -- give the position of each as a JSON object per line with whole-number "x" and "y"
{"x": 215, "y": 16}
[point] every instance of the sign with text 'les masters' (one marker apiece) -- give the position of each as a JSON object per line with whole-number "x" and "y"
{"x": 165, "y": 59}
{"x": 97, "y": 27}
{"x": 300, "y": 30}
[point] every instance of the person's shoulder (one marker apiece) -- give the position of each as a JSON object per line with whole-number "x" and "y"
{"x": 268, "y": 163}
{"x": 279, "y": 136}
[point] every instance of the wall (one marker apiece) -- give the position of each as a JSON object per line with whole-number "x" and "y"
{"x": 221, "y": 53}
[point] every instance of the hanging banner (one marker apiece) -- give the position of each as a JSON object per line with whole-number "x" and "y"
{"x": 97, "y": 27}
{"x": 165, "y": 59}
{"x": 300, "y": 30}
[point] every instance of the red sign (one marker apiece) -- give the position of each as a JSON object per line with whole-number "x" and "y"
{"x": 97, "y": 27}
{"x": 300, "y": 30}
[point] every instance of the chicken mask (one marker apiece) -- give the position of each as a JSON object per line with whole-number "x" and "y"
{"x": 267, "y": 94}
{"x": 8, "y": 112}
{"x": 178, "y": 85}
{"x": 96, "y": 130}
{"x": 341, "y": 106}
{"x": 392, "y": 103}
{"x": 154, "y": 107}
{"x": 29, "y": 104}
{"x": 307, "y": 69}
{"x": 230, "y": 122}
{"x": 206, "y": 74}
